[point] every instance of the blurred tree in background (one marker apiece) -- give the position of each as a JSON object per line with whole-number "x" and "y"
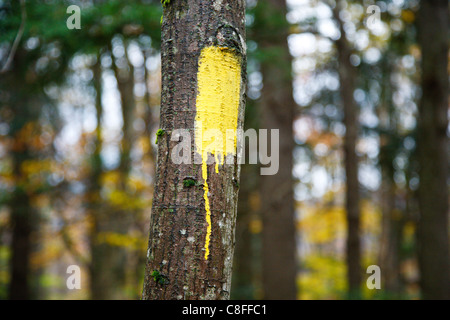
{"x": 361, "y": 102}
{"x": 67, "y": 203}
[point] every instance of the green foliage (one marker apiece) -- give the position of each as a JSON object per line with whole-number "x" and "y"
{"x": 47, "y": 21}
{"x": 158, "y": 277}
{"x": 159, "y": 133}
{"x": 323, "y": 278}
{"x": 165, "y": 3}
{"x": 189, "y": 182}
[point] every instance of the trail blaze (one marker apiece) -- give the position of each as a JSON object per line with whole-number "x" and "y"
{"x": 218, "y": 97}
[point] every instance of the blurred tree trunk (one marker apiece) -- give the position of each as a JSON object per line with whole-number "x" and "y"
{"x": 191, "y": 240}
{"x": 245, "y": 271}
{"x": 125, "y": 84}
{"x": 149, "y": 120}
{"x": 277, "y": 110}
{"x": 347, "y": 78}
{"x": 121, "y": 220}
{"x": 101, "y": 276}
{"x": 434, "y": 261}
{"x": 22, "y": 215}
{"x": 391, "y": 236}
{"x": 392, "y": 218}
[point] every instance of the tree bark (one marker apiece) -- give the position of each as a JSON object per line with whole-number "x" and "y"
{"x": 347, "y": 79}
{"x": 433, "y": 236}
{"x": 191, "y": 238}
{"x": 279, "y": 267}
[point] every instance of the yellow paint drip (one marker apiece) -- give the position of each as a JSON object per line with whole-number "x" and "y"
{"x": 219, "y": 84}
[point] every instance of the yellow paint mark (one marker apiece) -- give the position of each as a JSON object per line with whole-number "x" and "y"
{"x": 219, "y": 85}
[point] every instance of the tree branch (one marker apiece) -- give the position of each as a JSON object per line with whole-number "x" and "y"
{"x": 16, "y": 42}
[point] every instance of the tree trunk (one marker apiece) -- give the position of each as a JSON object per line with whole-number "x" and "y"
{"x": 277, "y": 197}
{"x": 120, "y": 219}
{"x": 391, "y": 236}
{"x": 434, "y": 261}
{"x": 246, "y": 268}
{"x": 23, "y": 218}
{"x": 125, "y": 85}
{"x": 101, "y": 276}
{"x": 242, "y": 286}
{"x": 347, "y": 87}
{"x": 392, "y": 218}
{"x": 21, "y": 212}
{"x": 191, "y": 238}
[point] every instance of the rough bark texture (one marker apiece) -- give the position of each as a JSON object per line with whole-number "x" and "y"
{"x": 434, "y": 261}
{"x": 176, "y": 266}
{"x": 277, "y": 198}
{"x": 347, "y": 78}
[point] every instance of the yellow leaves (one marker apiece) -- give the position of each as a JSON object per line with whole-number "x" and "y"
{"x": 123, "y": 200}
{"x": 324, "y": 231}
{"x": 409, "y": 230}
{"x": 118, "y": 198}
{"x": 408, "y": 16}
{"x": 31, "y": 167}
{"x": 4, "y": 272}
{"x": 111, "y": 178}
{"x": 294, "y": 28}
{"x": 135, "y": 242}
{"x": 29, "y": 136}
{"x": 254, "y": 200}
{"x": 137, "y": 184}
{"x": 52, "y": 251}
{"x": 144, "y": 144}
{"x": 370, "y": 218}
{"x": 21, "y": 137}
{"x": 255, "y": 226}
{"x": 327, "y": 223}
{"x": 41, "y": 201}
{"x": 323, "y": 224}
{"x": 324, "y": 278}
{"x": 134, "y": 195}
{"x": 34, "y": 174}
